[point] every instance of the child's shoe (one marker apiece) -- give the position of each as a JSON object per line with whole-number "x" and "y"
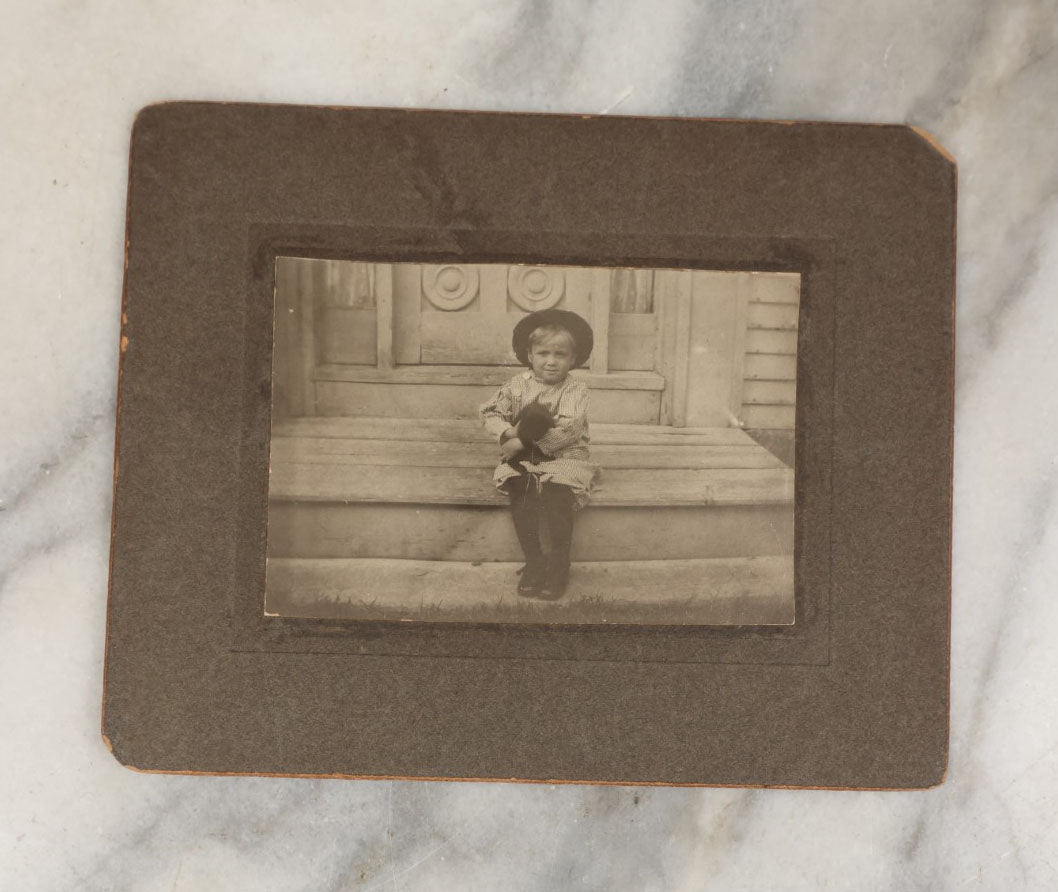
{"x": 555, "y": 581}
{"x": 531, "y": 580}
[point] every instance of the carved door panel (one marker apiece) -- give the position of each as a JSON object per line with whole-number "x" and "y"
{"x": 463, "y": 314}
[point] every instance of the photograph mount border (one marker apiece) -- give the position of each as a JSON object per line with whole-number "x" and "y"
{"x": 190, "y": 684}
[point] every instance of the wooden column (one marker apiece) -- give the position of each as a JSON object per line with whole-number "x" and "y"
{"x": 286, "y": 390}
{"x": 384, "y": 314}
{"x": 716, "y": 333}
{"x": 600, "y": 320}
{"x": 682, "y": 347}
{"x": 743, "y": 290}
{"x": 309, "y": 284}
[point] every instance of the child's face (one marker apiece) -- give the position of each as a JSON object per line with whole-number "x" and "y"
{"x": 552, "y": 357}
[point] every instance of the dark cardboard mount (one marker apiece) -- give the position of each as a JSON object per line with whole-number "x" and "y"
{"x": 853, "y": 694}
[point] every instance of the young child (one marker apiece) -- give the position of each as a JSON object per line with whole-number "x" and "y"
{"x": 540, "y": 419}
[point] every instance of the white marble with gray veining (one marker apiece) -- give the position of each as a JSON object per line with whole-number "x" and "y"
{"x": 981, "y": 76}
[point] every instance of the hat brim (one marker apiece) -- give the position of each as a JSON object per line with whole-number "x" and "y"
{"x": 584, "y": 339}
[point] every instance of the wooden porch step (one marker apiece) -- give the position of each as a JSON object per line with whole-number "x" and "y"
{"x": 333, "y": 450}
{"x": 719, "y": 591}
{"x": 444, "y": 462}
{"x": 351, "y": 482}
{"x": 446, "y": 430}
{"x": 304, "y": 529}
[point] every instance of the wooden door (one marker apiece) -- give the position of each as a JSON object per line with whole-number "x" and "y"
{"x": 463, "y": 314}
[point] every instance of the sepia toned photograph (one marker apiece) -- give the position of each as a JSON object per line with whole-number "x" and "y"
{"x": 532, "y": 444}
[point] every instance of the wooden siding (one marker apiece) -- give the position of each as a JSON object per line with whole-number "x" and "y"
{"x": 770, "y": 369}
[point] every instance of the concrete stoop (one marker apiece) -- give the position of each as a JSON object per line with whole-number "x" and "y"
{"x": 721, "y": 591}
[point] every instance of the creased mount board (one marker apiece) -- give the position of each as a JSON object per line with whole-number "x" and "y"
{"x": 853, "y": 693}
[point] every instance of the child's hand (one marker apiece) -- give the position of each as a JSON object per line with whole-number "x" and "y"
{"x": 510, "y": 448}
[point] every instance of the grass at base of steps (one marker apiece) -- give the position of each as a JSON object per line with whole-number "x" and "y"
{"x": 720, "y": 591}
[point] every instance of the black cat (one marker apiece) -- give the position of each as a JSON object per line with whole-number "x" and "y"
{"x": 531, "y": 424}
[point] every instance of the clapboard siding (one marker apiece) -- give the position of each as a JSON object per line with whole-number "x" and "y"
{"x": 776, "y": 288}
{"x": 762, "y": 367}
{"x": 763, "y": 340}
{"x": 769, "y": 393}
{"x": 768, "y": 417}
{"x": 770, "y": 369}
{"x": 773, "y": 316}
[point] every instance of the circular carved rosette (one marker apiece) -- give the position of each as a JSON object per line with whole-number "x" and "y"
{"x": 535, "y": 287}
{"x": 450, "y": 287}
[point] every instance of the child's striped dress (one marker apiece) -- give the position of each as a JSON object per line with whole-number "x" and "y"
{"x": 566, "y": 443}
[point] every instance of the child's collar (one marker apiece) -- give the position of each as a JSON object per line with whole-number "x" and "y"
{"x": 529, "y": 376}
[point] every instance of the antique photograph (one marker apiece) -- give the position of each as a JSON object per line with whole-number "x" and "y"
{"x": 532, "y": 444}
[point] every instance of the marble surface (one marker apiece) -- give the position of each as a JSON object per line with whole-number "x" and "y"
{"x": 981, "y": 76}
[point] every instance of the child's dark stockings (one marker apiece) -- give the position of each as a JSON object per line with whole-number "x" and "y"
{"x": 532, "y": 506}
